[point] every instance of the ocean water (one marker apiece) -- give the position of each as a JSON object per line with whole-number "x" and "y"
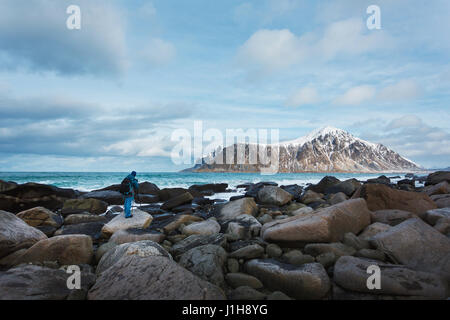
{"x": 87, "y": 181}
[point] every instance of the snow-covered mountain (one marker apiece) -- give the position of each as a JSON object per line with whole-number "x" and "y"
{"x": 326, "y": 149}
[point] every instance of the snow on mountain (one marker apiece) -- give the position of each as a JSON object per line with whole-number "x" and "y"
{"x": 326, "y": 149}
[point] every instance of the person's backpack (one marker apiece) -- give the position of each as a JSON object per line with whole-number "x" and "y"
{"x": 125, "y": 186}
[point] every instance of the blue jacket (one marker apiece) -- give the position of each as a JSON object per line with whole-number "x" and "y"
{"x": 134, "y": 186}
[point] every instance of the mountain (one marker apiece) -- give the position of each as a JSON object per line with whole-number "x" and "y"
{"x": 326, "y": 149}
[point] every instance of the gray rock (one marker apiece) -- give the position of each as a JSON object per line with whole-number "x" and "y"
{"x": 339, "y": 249}
{"x": 42, "y": 219}
{"x": 232, "y": 265}
{"x": 337, "y": 198}
{"x": 207, "y": 262}
{"x": 196, "y": 241}
{"x": 242, "y": 227}
{"x": 236, "y": 280}
{"x": 108, "y": 196}
{"x": 92, "y": 229}
{"x": 351, "y": 274}
{"x": 248, "y": 252}
{"x": 296, "y": 257}
{"x": 373, "y": 230}
{"x": 134, "y": 235}
{"x": 15, "y": 234}
{"x": 207, "y": 227}
{"x": 246, "y": 293}
{"x": 237, "y": 207}
{"x": 179, "y": 200}
{"x": 274, "y": 196}
{"x": 84, "y": 218}
{"x": 391, "y": 217}
{"x": 371, "y": 254}
{"x": 432, "y": 216}
{"x": 355, "y": 242}
{"x": 416, "y": 245}
{"x": 145, "y": 248}
{"x": 278, "y": 295}
{"x": 309, "y": 281}
{"x": 134, "y": 277}
{"x": 74, "y": 206}
{"x": 327, "y": 259}
{"x": 273, "y": 251}
{"x": 103, "y": 249}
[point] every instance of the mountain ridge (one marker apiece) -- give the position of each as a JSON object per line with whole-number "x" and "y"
{"x": 326, "y": 149}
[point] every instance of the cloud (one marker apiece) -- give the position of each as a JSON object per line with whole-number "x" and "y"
{"x": 158, "y": 52}
{"x": 267, "y": 50}
{"x": 407, "y": 121}
{"x": 356, "y": 95}
{"x": 303, "y": 96}
{"x": 34, "y": 37}
{"x": 403, "y": 90}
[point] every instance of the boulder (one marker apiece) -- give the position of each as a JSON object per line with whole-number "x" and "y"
{"x": 7, "y": 185}
{"x": 74, "y": 206}
{"x": 351, "y": 240}
{"x": 144, "y": 248}
{"x": 381, "y": 197}
{"x": 301, "y": 211}
{"x": 242, "y": 227}
{"x": 151, "y": 278}
{"x": 148, "y": 188}
{"x": 347, "y": 187}
{"x": 433, "y": 216}
{"x": 15, "y": 204}
{"x": 66, "y": 250}
{"x": 253, "y": 189}
{"x": 197, "y": 240}
{"x": 310, "y": 197}
{"x": 109, "y": 196}
{"x": 337, "y": 198}
{"x": 380, "y": 180}
{"x": 308, "y": 281}
{"x": 273, "y": 250}
{"x": 238, "y": 279}
{"x": 207, "y": 227}
{"x": 440, "y": 188}
{"x": 274, "y": 196}
{"x": 339, "y": 249}
{"x": 32, "y": 282}
{"x": 249, "y": 252}
{"x": 100, "y": 252}
{"x": 327, "y": 225}
{"x": 351, "y": 274}
{"x": 42, "y": 219}
{"x": 245, "y": 293}
{"x": 92, "y": 229}
{"x": 296, "y": 257}
{"x": 235, "y": 208}
{"x": 391, "y": 217}
{"x": 84, "y": 218}
{"x": 15, "y": 234}
{"x": 134, "y": 235}
{"x": 33, "y": 190}
{"x": 437, "y": 177}
{"x": 140, "y": 220}
{"x": 207, "y": 262}
{"x": 214, "y": 187}
{"x": 324, "y": 184}
{"x": 416, "y": 245}
{"x": 441, "y": 200}
{"x": 373, "y": 229}
{"x": 294, "y": 189}
{"x": 175, "y": 222}
{"x": 183, "y": 198}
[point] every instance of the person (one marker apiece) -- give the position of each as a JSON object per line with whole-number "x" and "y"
{"x": 129, "y": 195}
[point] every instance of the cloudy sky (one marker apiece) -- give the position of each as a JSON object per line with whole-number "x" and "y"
{"x": 109, "y": 96}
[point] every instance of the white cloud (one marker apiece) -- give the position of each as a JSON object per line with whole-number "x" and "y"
{"x": 403, "y": 90}
{"x": 356, "y": 95}
{"x": 159, "y": 52}
{"x": 147, "y": 10}
{"x": 274, "y": 50}
{"x": 303, "y": 96}
{"x": 406, "y": 121}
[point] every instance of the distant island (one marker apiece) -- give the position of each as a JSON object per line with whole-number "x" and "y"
{"x": 327, "y": 149}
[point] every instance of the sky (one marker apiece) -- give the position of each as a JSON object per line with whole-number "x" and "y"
{"x": 109, "y": 96}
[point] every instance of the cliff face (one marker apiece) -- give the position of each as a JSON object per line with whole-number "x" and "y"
{"x": 324, "y": 150}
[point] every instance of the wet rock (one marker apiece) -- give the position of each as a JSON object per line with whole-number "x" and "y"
{"x": 108, "y": 196}
{"x": 324, "y": 184}
{"x": 309, "y": 281}
{"x": 179, "y": 200}
{"x": 214, "y": 187}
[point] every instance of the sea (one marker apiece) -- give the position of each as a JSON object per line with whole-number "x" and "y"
{"x": 88, "y": 181}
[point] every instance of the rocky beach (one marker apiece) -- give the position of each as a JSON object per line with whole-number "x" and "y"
{"x": 269, "y": 242}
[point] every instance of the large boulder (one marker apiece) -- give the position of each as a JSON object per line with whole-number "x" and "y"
{"x": 242, "y": 227}
{"x": 207, "y": 262}
{"x": 274, "y": 196}
{"x": 381, "y": 197}
{"x": 140, "y": 220}
{"x": 441, "y": 200}
{"x": 179, "y": 200}
{"x": 7, "y": 185}
{"x": 324, "y": 184}
{"x": 437, "y": 177}
{"x": 391, "y": 217}
{"x": 440, "y": 188}
{"x": 42, "y": 219}
{"x": 144, "y": 248}
{"x": 73, "y": 206}
{"x": 433, "y": 216}
{"x": 109, "y": 196}
{"x": 351, "y": 274}
{"x": 151, "y": 278}
{"x": 348, "y": 187}
{"x": 148, "y": 188}
{"x": 327, "y": 225}
{"x": 66, "y": 250}
{"x": 173, "y": 223}
{"x": 308, "y": 281}
{"x": 15, "y": 234}
{"x": 214, "y": 187}
{"x": 207, "y": 227}
{"x": 416, "y": 245}
{"x": 134, "y": 235}
{"x": 197, "y": 240}
{"x": 15, "y": 204}
{"x": 32, "y": 282}
{"x": 373, "y": 229}
{"x": 33, "y": 190}
{"x": 235, "y": 208}
{"x": 92, "y": 229}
